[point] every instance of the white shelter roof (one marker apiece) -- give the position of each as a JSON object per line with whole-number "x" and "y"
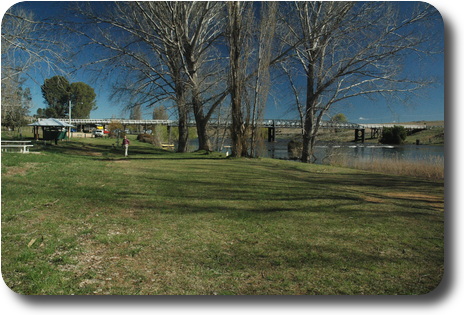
{"x": 51, "y": 122}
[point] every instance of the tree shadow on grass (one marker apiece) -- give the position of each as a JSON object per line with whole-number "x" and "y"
{"x": 106, "y": 152}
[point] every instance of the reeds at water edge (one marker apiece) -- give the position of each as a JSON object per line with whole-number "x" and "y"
{"x": 431, "y": 167}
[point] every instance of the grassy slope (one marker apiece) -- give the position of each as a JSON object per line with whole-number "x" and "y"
{"x": 81, "y": 219}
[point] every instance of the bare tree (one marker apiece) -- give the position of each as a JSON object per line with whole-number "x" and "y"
{"x": 16, "y": 102}
{"x": 239, "y": 17}
{"x": 197, "y": 26}
{"x": 291, "y": 74}
{"x": 140, "y": 50}
{"x": 160, "y": 112}
{"x": 136, "y": 112}
{"x": 167, "y": 48}
{"x": 27, "y": 45}
{"x": 262, "y": 84}
{"x": 351, "y": 49}
{"x": 250, "y": 38}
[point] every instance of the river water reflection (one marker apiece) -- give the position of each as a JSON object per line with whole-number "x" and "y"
{"x": 362, "y": 151}
{"x": 323, "y": 151}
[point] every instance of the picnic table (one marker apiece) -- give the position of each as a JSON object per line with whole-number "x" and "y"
{"x": 23, "y": 146}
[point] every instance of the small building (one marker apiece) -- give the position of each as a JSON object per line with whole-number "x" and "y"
{"x": 52, "y": 129}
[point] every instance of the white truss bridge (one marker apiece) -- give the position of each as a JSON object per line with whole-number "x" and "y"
{"x": 267, "y": 123}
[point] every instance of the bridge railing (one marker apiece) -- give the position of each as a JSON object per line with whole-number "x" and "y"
{"x": 125, "y": 121}
{"x": 266, "y": 123}
{"x": 380, "y": 126}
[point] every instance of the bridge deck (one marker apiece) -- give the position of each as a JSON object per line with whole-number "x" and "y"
{"x": 267, "y": 123}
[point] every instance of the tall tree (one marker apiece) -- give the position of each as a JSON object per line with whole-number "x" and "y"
{"x": 262, "y": 84}
{"x": 239, "y": 17}
{"x": 160, "y": 113}
{"x": 26, "y": 45}
{"x": 198, "y": 25}
{"x": 55, "y": 92}
{"x": 136, "y": 112}
{"x": 188, "y": 30}
{"x": 349, "y": 49}
{"x": 16, "y": 102}
{"x": 250, "y": 30}
{"x": 82, "y": 100}
{"x": 164, "y": 47}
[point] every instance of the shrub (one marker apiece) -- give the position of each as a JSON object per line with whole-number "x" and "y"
{"x": 295, "y": 149}
{"x": 116, "y": 129}
{"x": 393, "y": 135}
{"x": 149, "y": 139}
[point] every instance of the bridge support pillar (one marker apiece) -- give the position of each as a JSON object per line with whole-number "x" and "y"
{"x": 271, "y": 131}
{"x": 359, "y": 134}
{"x": 375, "y": 133}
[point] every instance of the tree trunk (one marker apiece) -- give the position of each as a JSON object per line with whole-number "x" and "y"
{"x": 202, "y": 125}
{"x": 238, "y": 127}
{"x": 237, "y": 124}
{"x": 309, "y": 126}
{"x": 182, "y": 110}
{"x": 236, "y": 81}
{"x": 200, "y": 120}
{"x": 182, "y": 146}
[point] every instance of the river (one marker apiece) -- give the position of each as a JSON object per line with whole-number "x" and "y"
{"x": 362, "y": 151}
{"x": 278, "y": 150}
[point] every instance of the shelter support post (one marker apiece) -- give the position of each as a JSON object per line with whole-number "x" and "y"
{"x": 36, "y": 132}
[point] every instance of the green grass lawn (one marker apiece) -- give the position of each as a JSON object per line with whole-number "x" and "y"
{"x": 79, "y": 218}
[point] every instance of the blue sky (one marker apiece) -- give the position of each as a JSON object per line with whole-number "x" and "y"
{"x": 428, "y": 105}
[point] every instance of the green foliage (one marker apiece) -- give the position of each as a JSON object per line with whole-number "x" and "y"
{"x": 340, "y": 117}
{"x": 393, "y": 135}
{"x": 82, "y": 100}
{"x": 57, "y": 91}
{"x": 116, "y": 129}
{"x": 143, "y": 137}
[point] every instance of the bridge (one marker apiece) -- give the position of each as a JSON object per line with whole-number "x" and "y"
{"x": 267, "y": 123}
{"x": 271, "y": 124}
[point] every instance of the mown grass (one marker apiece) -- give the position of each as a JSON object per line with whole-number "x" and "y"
{"x": 81, "y": 219}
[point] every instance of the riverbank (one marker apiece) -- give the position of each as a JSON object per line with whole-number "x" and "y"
{"x": 421, "y": 155}
{"x": 79, "y": 218}
{"x": 434, "y": 136}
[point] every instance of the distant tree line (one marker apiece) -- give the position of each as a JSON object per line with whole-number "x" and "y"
{"x": 210, "y": 58}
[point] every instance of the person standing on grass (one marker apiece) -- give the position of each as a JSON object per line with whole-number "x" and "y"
{"x": 125, "y": 144}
